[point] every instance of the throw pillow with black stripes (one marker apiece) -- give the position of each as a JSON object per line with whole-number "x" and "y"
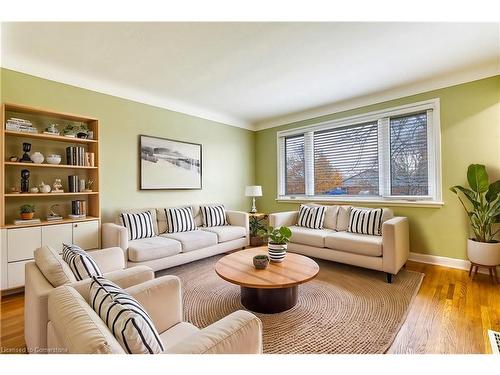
{"x": 180, "y": 220}
{"x": 125, "y": 317}
{"x": 139, "y": 225}
{"x": 80, "y": 262}
{"x": 311, "y": 216}
{"x": 365, "y": 221}
{"x": 213, "y": 216}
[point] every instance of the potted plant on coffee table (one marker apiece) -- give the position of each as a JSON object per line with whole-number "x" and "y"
{"x": 27, "y": 211}
{"x": 278, "y": 239}
{"x": 482, "y": 204}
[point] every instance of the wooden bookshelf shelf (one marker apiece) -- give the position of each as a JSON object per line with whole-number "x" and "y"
{"x": 33, "y": 165}
{"x": 45, "y": 222}
{"x": 34, "y": 195}
{"x": 10, "y": 171}
{"x": 47, "y": 137}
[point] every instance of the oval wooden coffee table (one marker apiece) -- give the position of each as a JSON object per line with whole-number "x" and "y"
{"x": 269, "y": 291}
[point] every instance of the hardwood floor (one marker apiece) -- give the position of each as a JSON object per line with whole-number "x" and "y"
{"x": 450, "y": 314}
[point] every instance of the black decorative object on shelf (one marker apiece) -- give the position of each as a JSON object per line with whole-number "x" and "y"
{"x": 25, "y": 181}
{"x": 73, "y": 184}
{"x": 26, "y": 157}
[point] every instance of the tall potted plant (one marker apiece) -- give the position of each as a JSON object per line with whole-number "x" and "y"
{"x": 255, "y": 226}
{"x": 278, "y": 239}
{"x": 482, "y": 204}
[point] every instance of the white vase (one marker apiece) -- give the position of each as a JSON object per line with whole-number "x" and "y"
{"x": 37, "y": 158}
{"x": 483, "y": 253}
{"x": 276, "y": 252}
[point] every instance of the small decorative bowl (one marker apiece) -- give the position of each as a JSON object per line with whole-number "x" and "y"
{"x": 54, "y": 159}
{"x": 260, "y": 262}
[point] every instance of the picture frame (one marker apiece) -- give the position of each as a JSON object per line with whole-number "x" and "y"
{"x": 169, "y": 164}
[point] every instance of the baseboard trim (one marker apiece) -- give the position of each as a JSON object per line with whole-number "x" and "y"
{"x": 460, "y": 264}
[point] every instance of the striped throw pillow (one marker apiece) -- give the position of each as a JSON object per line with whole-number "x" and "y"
{"x": 180, "y": 220}
{"x": 365, "y": 221}
{"x": 311, "y": 217}
{"x": 139, "y": 225}
{"x": 80, "y": 262}
{"x": 213, "y": 216}
{"x": 125, "y": 317}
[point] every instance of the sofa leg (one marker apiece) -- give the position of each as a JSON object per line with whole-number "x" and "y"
{"x": 390, "y": 277}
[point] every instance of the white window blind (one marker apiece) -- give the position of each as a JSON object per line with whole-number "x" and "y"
{"x": 346, "y": 161}
{"x": 384, "y": 155}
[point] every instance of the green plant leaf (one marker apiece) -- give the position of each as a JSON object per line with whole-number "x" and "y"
{"x": 469, "y": 194}
{"x": 477, "y": 177}
{"x": 286, "y": 232}
{"x": 493, "y": 191}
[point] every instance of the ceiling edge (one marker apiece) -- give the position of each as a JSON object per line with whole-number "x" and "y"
{"x": 470, "y": 75}
{"x": 59, "y": 75}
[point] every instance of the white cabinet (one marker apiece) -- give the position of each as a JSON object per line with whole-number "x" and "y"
{"x": 86, "y": 235}
{"x": 17, "y": 245}
{"x": 22, "y": 242}
{"x": 15, "y": 274}
{"x": 55, "y": 235}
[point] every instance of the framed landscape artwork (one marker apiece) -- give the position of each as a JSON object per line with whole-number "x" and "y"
{"x": 169, "y": 164}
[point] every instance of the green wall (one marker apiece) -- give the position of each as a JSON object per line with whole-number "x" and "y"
{"x": 228, "y": 157}
{"x": 470, "y": 133}
{"x": 233, "y": 157}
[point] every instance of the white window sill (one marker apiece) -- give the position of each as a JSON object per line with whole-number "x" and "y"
{"x": 361, "y": 201}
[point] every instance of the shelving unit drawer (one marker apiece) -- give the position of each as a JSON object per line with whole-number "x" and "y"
{"x": 15, "y": 274}
{"x": 22, "y": 242}
{"x": 86, "y": 234}
{"x": 55, "y": 235}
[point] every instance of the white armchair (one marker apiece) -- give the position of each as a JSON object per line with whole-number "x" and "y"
{"x": 75, "y": 328}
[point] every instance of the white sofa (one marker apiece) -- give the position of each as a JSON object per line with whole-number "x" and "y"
{"x": 387, "y": 253}
{"x": 166, "y": 250}
{"x": 74, "y": 327}
{"x": 49, "y": 271}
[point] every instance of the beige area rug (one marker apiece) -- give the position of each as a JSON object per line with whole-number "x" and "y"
{"x": 346, "y": 309}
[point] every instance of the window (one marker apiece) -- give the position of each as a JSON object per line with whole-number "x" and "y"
{"x": 384, "y": 155}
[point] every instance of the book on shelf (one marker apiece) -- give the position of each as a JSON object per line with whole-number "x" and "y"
{"x": 79, "y": 208}
{"x": 75, "y": 155}
{"x": 24, "y": 222}
{"x": 54, "y": 218}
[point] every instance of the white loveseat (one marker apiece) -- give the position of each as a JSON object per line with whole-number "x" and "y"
{"x": 166, "y": 250}
{"x": 387, "y": 253}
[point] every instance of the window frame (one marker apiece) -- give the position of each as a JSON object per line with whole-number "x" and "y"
{"x": 382, "y": 117}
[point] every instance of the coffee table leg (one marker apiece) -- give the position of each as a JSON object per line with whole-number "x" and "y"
{"x": 269, "y": 301}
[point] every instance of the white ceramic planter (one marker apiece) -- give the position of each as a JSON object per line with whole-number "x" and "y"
{"x": 483, "y": 253}
{"x": 37, "y": 158}
{"x": 277, "y": 253}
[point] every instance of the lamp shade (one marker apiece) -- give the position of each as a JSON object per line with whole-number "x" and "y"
{"x": 253, "y": 191}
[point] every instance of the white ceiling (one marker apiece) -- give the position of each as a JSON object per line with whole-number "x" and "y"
{"x": 254, "y": 75}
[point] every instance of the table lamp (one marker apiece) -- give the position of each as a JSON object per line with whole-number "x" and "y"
{"x": 253, "y": 191}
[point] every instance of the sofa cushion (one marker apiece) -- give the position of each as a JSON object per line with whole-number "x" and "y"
{"x": 125, "y": 317}
{"x": 227, "y": 232}
{"x": 213, "y": 216}
{"x": 331, "y": 214}
{"x": 153, "y": 212}
{"x": 180, "y": 220}
{"x": 177, "y": 334}
{"x": 139, "y": 225}
{"x": 53, "y": 267}
{"x": 193, "y": 240}
{"x": 80, "y": 262}
{"x": 311, "y": 217}
{"x": 366, "y": 221}
{"x": 308, "y": 236}
{"x": 152, "y": 248}
{"x": 343, "y": 218}
{"x": 363, "y": 244}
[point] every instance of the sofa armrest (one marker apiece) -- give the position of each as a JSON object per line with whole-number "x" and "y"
{"x": 114, "y": 235}
{"x": 110, "y": 259}
{"x": 238, "y": 218}
{"x": 36, "y": 291}
{"x": 396, "y": 244}
{"x": 162, "y": 299}
{"x": 280, "y": 219}
{"x": 237, "y": 333}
